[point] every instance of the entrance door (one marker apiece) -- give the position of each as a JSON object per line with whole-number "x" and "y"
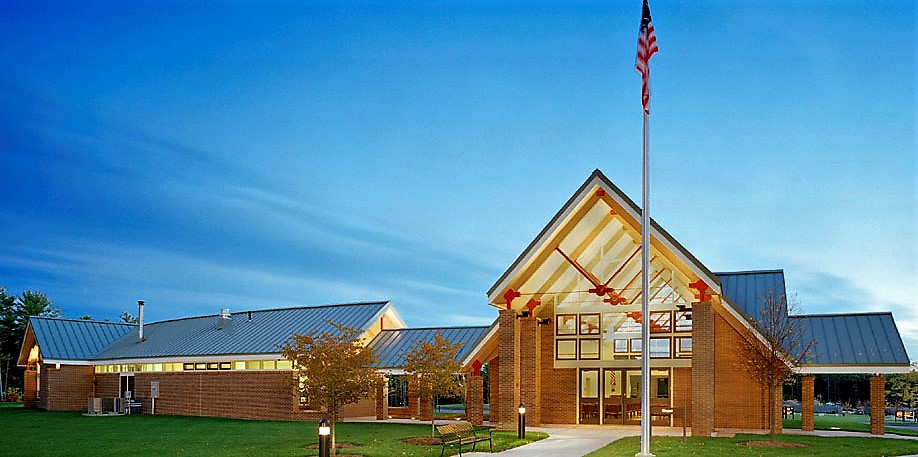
{"x": 622, "y": 396}
{"x": 127, "y": 385}
{"x": 589, "y": 396}
{"x": 613, "y": 396}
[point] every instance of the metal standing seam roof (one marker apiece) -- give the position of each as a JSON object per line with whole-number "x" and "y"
{"x": 854, "y": 339}
{"x": 67, "y": 339}
{"x": 748, "y": 290}
{"x": 199, "y": 336}
{"x": 390, "y": 345}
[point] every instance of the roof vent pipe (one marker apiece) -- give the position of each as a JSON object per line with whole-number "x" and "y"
{"x": 139, "y": 321}
{"x": 224, "y": 316}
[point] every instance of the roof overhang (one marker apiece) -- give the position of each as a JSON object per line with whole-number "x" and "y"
{"x": 188, "y": 359}
{"x": 854, "y": 369}
{"x": 25, "y": 346}
{"x": 476, "y": 350}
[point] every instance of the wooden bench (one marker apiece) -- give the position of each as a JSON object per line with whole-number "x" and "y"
{"x": 463, "y": 433}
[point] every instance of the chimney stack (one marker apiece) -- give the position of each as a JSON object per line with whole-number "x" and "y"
{"x": 139, "y": 321}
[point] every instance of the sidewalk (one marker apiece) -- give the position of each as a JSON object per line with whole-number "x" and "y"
{"x": 574, "y": 441}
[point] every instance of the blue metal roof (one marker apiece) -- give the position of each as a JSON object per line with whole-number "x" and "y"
{"x": 390, "y": 345}
{"x": 854, "y": 339}
{"x": 748, "y": 290}
{"x": 247, "y": 332}
{"x": 65, "y": 339}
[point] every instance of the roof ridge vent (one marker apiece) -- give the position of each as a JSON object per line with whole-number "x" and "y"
{"x": 225, "y": 316}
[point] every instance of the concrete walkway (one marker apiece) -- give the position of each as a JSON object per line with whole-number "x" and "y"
{"x": 574, "y": 441}
{"x": 571, "y": 441}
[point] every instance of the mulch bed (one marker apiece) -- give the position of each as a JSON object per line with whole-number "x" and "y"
{"x": 770, "y": 444}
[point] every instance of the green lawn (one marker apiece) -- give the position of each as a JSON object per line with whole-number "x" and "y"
{"x": 38, "y": 433}
{"x": 716, "y": 447}
{"x": 855, "y": 423}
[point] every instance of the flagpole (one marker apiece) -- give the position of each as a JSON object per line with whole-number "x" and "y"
{"x": 645, "y": 299}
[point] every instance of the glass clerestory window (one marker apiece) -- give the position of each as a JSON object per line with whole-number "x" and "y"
{"x": 617, "y": 335}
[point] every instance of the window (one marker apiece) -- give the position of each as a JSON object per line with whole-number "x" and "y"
{"x": 659, "y": 348}
{"x": 684, "y": 347}
{"x": 567, "y": 324}
{"x": 621, "y": 346}
{"x": 661, "y": 322}
{"x": 589, "y": 349}
{"x": 589, "y": 324}
{"x": 398, "y": 391}
{"x": 252, "y": 364}
{"x": 683, "y": 321}
{"x": 566, "y": 349}
{"x": 284, "y": 365}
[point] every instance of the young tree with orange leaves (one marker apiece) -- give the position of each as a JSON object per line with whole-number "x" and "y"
{"x": 434, "y": 369}
{"x": 332, "y": 369}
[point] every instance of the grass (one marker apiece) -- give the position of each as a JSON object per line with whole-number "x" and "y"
{"x": 39, "y": 433}
{"x": 855, "y": 423}
{"x": 715, "y": 447}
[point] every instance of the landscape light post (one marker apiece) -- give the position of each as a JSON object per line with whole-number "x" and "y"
{"x": 521, "y": 425}
{"x": 324, "y": 431}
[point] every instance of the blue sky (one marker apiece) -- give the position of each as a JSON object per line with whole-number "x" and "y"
{"x": 263, "y": 154}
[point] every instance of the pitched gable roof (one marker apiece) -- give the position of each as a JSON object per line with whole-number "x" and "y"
{"x": 854, "y": 343}
{"x": 245, "y": 333}
{"x": 627, "y": 215}
{"x": 64, "y": 340}
{"x": 749, "y": 290}
{"x": 390, "y": 345}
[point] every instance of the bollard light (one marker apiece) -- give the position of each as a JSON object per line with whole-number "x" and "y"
{"x": 521, "y": 426}
{"x": 324, "y": 431}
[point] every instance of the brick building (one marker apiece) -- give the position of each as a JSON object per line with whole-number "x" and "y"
{"x": 567, "y": 339}
{"x": 225, "y": 365}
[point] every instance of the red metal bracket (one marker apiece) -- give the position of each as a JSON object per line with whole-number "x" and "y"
{"x": 509, "y": 295}
{"x": 476, "y": 367}
{"x": 702, "y": 288}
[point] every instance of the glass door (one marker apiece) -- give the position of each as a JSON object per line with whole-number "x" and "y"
{"x": 589, "y": 396}
{"x": 613, "y": 399}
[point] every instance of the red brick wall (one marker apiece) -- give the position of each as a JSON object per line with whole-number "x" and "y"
{"x": 739, "y": 401}
{"x": 558, "y": 399}
{"x": 703, "y": 362}
{"x": 682, "y": 394}
{"x": 529, "y": 374}
{"x": 877, "y": 405}
{"x": 30, "y": 389}
{"x": 473, "y": 398}
{"x": 233, "y": 394}
{"x": 807, "y": 407}
{"x": 509, "y": 369}
{"x": 494, "y": 391}
{"x": 67, "y": 388}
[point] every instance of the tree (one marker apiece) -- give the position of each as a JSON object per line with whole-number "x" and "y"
{"x": 902, "y": 389}
{"x": 434, "y": 370}
{"x": 14, "y": 318}
{"x": 332, "y": 369}
{"x": 127, "y": 318}
{"x": 783, "y": 346}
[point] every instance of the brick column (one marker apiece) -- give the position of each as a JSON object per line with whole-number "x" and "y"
{"x": 702, "y": 369}
{"x": 474, "y": 401}
{"x": 382, "y": 400}
{"x": 414, "y": 408}
{"x": 426, "y": 408}
{"x": 878, "y": 405}
{"x": 807, "y": 410}
{"x": 494, "y": 391}
{"x": 509, "y": 381}
{"x": 529, "y": 371}
{"x": 30, "y": 389}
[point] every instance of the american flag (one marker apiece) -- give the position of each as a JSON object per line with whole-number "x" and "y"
{"x": 647, "y": 47}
